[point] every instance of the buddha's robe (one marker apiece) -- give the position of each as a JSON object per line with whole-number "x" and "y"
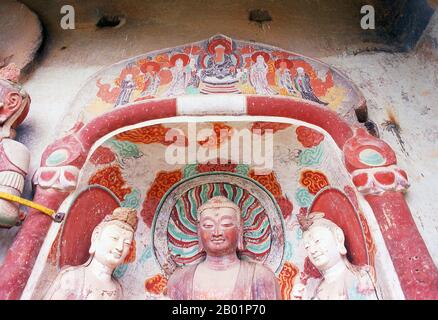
{"x": 254, "y": 282}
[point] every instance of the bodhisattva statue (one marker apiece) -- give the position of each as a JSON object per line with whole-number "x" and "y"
{"x": 110, "y": 243}
{"x": 222, "y": 275}
{"x": 14, "y": 156}
{"x": 341, "y": 280}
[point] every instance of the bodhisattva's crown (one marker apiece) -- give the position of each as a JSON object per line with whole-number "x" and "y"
{"x": 306, "y": 220}
{"x": 125, "y": 215}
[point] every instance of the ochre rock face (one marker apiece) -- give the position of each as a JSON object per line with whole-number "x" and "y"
{"x": 20, "y": 34}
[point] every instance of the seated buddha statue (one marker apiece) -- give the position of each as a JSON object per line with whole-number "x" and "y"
{"x": 222, "y": 275}
{"x": 110, "y": 243}
{"x": 341, "y": 280}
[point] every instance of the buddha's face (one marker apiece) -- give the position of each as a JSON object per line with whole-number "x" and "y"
{"x": 283, "y": 65}
{"x": 220, "y": 50}
{"x": 112, "y": 244}
{"x": 219, "y": 231}
{"x": 322, "y": 247}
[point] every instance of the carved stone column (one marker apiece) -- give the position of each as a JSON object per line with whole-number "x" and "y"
{"x": 373, "y": 167}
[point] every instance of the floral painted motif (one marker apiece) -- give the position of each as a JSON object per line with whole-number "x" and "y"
{"x": 311, "y": 156}
{"x": 126, "y": 149}
{"x": 111, "y": 178}
{"x": 190, "y": 170}
{"x": 102, "y": 155}
{"x": 242, "y": 169}
{"x": 263, "y": 126}
{"x": 269, "y": 181}
{"x": 286, "y": 279}
{"x": 132, "y": 200}
{"x": 308, "y": 137}
{"x": 303, "y": 197}
{"x": 163, "y": 181}
{"x": 156, "y": 285}
{"x": 146, "y": 135}
{"x": 313, "y": 180}
{"x": 210, "y": 167}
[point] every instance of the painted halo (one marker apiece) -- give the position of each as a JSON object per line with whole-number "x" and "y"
{"x": 174, "y": 236}
{"x": 265, "y": 55}
{"x": 185, "y": 58}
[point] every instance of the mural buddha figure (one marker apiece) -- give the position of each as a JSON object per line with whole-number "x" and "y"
{"x": 222, "y": 275}
{"x": 341, "y": 280}
{"x": 110, "y": 244}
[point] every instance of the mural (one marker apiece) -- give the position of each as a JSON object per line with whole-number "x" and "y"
{"x": 219, "y": 65}
{"x": 130, "y": 168}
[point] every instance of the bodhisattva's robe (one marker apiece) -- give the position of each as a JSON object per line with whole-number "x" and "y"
{"x": 254, "y": 282}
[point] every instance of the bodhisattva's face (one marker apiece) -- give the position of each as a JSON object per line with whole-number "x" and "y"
{"x": 112, "y": 246}
{"x": 322, "y": 247}
{"x": 219, "y": 231}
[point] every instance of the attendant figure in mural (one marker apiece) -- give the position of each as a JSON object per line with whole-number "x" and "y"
{"x": 110, "y": 244}
{"x": 151, "y": 79}
{"x": 259, "y": 72}
{"x": 180, "y": 76}
{"x": 126, "y": 88}
{"x": 302, "y": 84}
{"x": 14, "y": 156}
{"x": 220, "y": 72}
{"x": 194, "y": 80}
{"x": 283, "y": 77}
{"x": 324, "y": 243}
{"x": 222, "y": 275}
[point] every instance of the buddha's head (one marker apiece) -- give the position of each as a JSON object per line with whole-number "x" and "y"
{"x": 324, "y": 242}
{"x": 220, "y": 228}
{"x": 219, "y": 50}
{"x": 14, "y": 101}
{"x": 112, "y": 237}
{"x": 300, "y": 71}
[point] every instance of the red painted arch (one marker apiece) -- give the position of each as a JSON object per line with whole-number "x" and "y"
{"x": 20, "y": 259}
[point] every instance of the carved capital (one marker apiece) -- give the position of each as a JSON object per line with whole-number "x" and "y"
{"x": 379, "y": 180}
{"x": 63, "y": 178}
{"x": 373, "y": 165}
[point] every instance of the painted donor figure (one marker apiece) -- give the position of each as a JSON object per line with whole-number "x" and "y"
{"x": 222, "y": 275}
{"x": 110, "y": 244}
{"x": 324, "y": 243}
